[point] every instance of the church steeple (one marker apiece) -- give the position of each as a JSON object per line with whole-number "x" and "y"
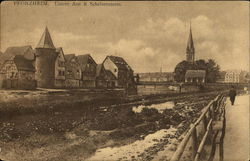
{"x": 190, "y": 51}
{"x": 46, "y": 41}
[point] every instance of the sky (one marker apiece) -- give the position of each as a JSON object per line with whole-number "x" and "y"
{"x": 148, "y": 35}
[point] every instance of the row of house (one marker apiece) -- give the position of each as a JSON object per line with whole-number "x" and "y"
{"x": 48, "y": 67}
{"x": 229, "y": 76}
{"x": 234, "y": 76}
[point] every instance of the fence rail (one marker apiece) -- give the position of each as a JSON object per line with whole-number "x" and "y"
{"x": 213, "y": 113}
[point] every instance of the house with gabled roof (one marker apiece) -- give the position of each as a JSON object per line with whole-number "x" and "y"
{"x": 17, "y": 72}
{"x": 122, "y": 71}
{"x": 73, "y": 73}
{"x": 88, "y": 69}
{"x": 60, "y": 68}
{"x": 17, "y": 68}
{"x": 26, "y": 51}
{"x": 104, "y": 78}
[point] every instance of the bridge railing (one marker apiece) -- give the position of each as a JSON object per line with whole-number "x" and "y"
{"x": 201, "y": 132}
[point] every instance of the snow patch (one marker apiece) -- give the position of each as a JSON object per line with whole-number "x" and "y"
{"x": 133, "y": 150}
{"x": 160, "y": 107}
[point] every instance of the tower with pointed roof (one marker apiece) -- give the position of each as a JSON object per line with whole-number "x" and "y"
{"x": 45, "y": 61}
{"x": 190, "y": 51}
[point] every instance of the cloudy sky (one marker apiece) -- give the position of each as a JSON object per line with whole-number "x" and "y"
{"x": 146, "y": 34}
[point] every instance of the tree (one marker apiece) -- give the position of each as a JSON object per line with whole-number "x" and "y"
{"x": 200, "y": 64}
{"x": 212, "y": 69}
{"x": 180, "y": 70}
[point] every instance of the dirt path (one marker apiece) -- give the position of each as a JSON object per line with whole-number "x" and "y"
{"x": 236, "y": 141}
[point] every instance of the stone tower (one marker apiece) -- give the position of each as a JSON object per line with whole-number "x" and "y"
{"x": 45, "y": 61}
{"x": 190, "y": 51}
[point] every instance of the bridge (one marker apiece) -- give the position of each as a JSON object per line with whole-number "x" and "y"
{"x": 219, "y": 134}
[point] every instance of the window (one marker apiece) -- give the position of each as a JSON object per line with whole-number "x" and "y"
{"x": 115, "y": 70}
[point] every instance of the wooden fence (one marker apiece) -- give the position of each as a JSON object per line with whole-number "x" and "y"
{"x": 212, "y": 121}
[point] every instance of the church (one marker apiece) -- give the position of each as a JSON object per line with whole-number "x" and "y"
{"x": 193, "y": 76}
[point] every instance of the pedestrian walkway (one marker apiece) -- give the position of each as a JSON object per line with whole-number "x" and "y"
{"x": 236, "y": 141}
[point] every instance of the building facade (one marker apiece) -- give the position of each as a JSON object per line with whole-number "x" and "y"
{"x": 17, "y": 68}
{"x": 18, "y": 73}
{"x": 60, "y": 69}
{"x": 121, "y": 70}
{"x": 236, "y": 76}
{"x": 88, "y": 70}
{"x": 104, "y": 78}
{"x": 73, "y": 72}
{"x": 195, "y": 76}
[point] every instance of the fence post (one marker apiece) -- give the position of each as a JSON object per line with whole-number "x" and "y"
{"x": 204, "y": 120}
{"x": 212, "y": 112}
{"x": 194, "y": 143}
{"x": 221, "y": 151}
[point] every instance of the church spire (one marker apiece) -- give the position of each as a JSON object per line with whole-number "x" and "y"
{"x": 190, "y": 51}
{"x": 190, "y": 44}
{"x": 46, "y": 41}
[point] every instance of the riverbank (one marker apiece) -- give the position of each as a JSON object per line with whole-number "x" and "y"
{"x": 73, "y": 130}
